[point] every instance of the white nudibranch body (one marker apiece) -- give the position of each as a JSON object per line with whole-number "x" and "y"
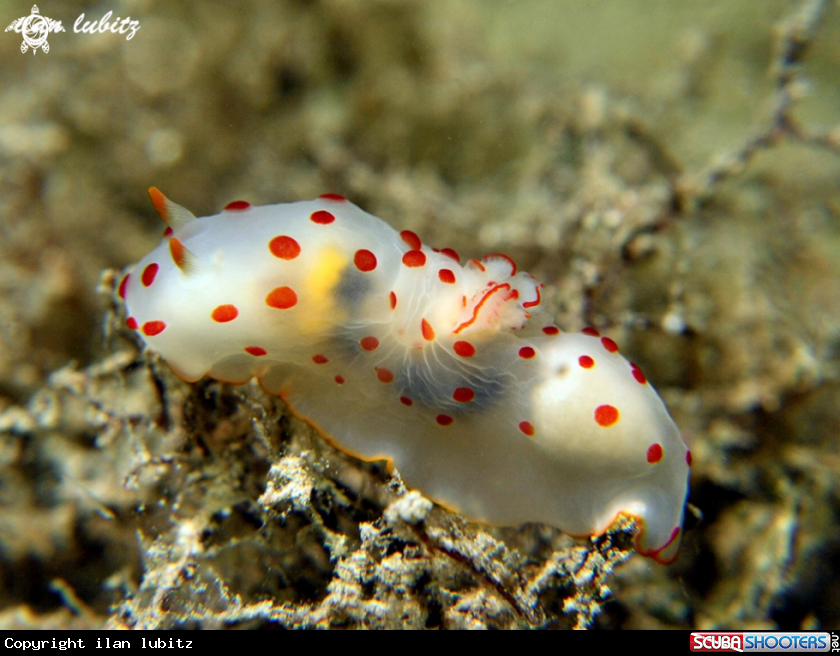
{"x": 392, "y": 349}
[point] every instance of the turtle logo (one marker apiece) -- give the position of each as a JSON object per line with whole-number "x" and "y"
{"x": 35, "y": 29}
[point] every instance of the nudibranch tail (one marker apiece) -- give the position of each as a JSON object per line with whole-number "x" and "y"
{"x": 392, "y": 348}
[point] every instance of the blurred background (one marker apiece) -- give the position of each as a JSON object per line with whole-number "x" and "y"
{"x": 670, "y": 170}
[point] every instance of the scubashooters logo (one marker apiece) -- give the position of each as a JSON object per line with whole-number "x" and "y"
{"x": 747, "y": 641}
{"x": 36, "y": 28}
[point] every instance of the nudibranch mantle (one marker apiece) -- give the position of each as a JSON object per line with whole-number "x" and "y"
{"x": 392, "y": 349}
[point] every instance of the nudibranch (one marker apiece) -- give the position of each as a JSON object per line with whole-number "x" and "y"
{"x": 395, "y": 350}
